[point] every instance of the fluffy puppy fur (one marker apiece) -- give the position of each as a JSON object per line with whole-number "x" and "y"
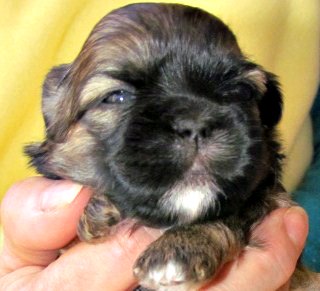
{"x": 171, "y": 125}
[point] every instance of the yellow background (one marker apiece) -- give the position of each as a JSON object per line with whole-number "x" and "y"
{"x": 281, "y": 35}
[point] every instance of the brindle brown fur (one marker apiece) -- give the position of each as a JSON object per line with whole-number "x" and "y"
{"x": 98, "y": 216}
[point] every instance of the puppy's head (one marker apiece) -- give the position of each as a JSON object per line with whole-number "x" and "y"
{"x": 161, "y": 112}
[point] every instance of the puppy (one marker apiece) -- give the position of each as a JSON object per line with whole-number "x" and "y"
{"x": 170, "y": 124}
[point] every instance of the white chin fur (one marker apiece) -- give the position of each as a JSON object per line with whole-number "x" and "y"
{"x": 189, "y": 201}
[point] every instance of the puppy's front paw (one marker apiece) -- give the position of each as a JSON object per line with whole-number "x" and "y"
{"x": 175, "y": 264}
{"x": 98, "y": 217}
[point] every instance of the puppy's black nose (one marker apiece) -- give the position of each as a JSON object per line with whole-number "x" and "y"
{"x": 192, "y": 130}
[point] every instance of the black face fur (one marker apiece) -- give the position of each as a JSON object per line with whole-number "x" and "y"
{"x": 163, "y": 114}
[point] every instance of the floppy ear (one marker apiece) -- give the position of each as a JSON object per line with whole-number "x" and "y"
{"x": 270, "y": 100}
{"x": 270, "y": 105}
{"x": 53, "y": 90}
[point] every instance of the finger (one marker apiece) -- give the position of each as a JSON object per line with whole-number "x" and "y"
{"x": 269, "y": 267}
{"x": 285, "y": 287}
{"x": 103, "y": 266}
{"x": 39, "y": 216}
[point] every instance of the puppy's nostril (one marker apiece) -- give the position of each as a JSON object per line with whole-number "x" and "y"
{"x": 185, "y": 130}
{"x": 192, "y": 130}
{"x": 205, "y": 132}
{"x": 185, "y": 133}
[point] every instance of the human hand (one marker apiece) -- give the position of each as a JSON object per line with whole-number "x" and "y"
{"x": 268, "y": 267}
{"x": 39, "y": 217}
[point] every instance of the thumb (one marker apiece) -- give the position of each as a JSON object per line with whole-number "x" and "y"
{"x": 280, "y": 239}
{"x": 39, "y": 216}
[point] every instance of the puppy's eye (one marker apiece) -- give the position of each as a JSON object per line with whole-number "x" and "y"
{"x": 119, "y": 97}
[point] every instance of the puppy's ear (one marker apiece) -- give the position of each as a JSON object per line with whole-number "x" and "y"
{"x": 270, "y": 103}
{"x": 54, "y": 89}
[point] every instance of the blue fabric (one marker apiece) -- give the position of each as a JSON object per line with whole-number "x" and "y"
{"x": 308, "y": 195}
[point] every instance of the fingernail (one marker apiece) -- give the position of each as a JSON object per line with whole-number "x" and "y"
{"x": 154, "y": 233}
{"x": 59, "y": 194}
{"x": 296, "y": 223}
